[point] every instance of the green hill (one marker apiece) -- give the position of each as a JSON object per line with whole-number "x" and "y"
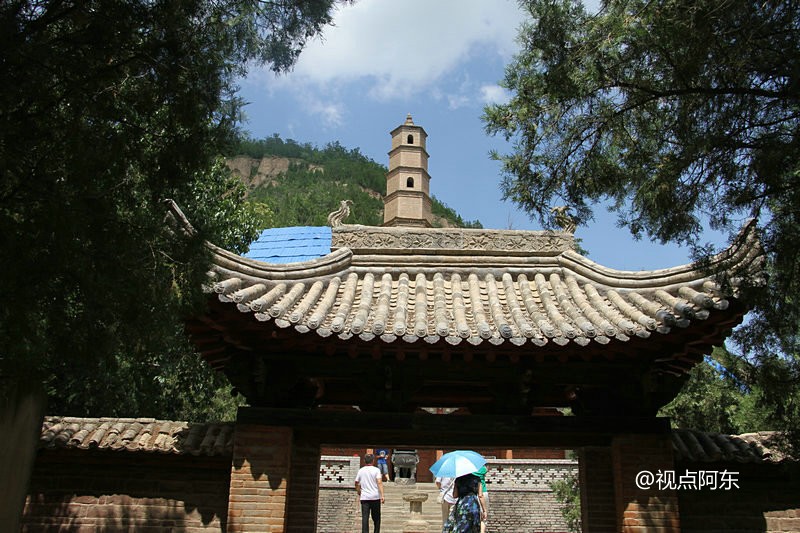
{"x": 301, "y": 184}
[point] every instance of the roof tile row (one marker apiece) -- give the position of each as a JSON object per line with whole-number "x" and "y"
{"x": 137, "y": 434}
{"x": 538, "y": 309}
{"x": 697, "y": 446}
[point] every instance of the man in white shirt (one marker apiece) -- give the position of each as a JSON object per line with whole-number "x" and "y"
{"x": 445, "y": 485}
{"x": 369, "y": 485}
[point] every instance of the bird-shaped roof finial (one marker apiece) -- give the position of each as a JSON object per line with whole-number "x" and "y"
{"x": 337, "y": 217}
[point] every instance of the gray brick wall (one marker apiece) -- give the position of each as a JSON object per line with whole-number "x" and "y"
{"x": 524, "y": 512}
{"x": 338, "y": 510}
{"x": 520, "y": 498}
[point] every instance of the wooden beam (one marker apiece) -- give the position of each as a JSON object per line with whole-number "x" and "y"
{"x": 424, "y": 429}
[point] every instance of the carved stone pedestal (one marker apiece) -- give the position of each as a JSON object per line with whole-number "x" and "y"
{"x": 415, "y": 524}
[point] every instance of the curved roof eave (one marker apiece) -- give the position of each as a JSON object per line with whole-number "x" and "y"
{"x": 438, "y": 290}
{"x": 334, "y": 262}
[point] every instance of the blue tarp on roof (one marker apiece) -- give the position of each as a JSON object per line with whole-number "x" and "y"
{"x": 290, "y": 245}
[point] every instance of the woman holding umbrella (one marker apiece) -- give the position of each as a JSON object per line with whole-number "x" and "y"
{"x": 469, "y": 509}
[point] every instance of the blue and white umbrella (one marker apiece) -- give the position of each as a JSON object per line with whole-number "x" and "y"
{"x": 458, "y": 463}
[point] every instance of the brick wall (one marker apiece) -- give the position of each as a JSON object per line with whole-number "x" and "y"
{"x": 651, "y": 510}
{"x": 343, "y": 451}
{"x": 108, "y": 491}
{"x": 259, "y": 479}
{"x": 768, "y": 500}
{"x": 338, "y": 510}
{"x": 520, "y": 498}
{"x": 303, "y": 489}
{"x": 538, "y": 453}
{"x": 532, "y": 512}
{"x": 597, "y": 488}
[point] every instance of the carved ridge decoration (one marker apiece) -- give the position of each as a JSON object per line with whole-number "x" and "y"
{"x": 476, "y": 241}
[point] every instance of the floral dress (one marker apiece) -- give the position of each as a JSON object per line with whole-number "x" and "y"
{"x": 465, "y": 516}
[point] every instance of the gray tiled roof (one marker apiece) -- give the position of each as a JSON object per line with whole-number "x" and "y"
{"x": 137, "y": 435}
{"x": 474, "y": 286}
{"x": 697, "y": 446}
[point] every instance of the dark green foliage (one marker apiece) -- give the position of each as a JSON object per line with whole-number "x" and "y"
{"x": 567, "y": 492}
{"x": 304, "y": 197}
{"x": 715, "y": 400}
{"x": 275, "y": 146}
{"x": 441, "y": 209}
{"x": 106, "y": 109}
{"x": 678, "y": 113}
{"x": 708, "y": 401}
{"x": 667, "y": 109}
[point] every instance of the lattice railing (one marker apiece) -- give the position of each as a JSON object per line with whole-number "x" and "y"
{"x": 338, "y": 471}
{"x": 502, "y": 474}
{"x": 527, "y": 474}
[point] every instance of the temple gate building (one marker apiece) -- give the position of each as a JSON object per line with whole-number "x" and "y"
{"x": 361, "y": 343}
{"x": 500, "y": 322}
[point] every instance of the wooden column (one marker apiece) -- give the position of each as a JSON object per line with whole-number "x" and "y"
{"x": 649, "y": 510}
{"x": 597, "y": 489}
{"x": 259, "y": 479}
{"x": 303, "y": 494}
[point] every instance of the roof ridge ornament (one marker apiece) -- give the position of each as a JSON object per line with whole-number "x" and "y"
{"x": 176, "y": 220}
{"x": 336, "y": 218}
{"x": 563, "y": 219}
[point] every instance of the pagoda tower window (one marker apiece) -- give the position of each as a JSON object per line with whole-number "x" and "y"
{"x": 410, "y": 183}
{"x": 410, "y": 139}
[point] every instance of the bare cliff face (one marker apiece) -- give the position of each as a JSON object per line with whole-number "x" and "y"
{"x": 255, "y": 172}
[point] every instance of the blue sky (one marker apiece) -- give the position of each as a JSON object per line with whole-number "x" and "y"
{"x": 440, "y": 61}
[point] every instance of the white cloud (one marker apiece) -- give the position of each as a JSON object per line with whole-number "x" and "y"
{"x": 331, "y": 113}
{"x": 402, "y": 48}
{"x": 388, "y": 51}
{"x": 494, "y": 94}
{"x": 455, "y": 101}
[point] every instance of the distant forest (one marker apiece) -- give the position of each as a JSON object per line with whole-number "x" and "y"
{"x": 303, "y": 196}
